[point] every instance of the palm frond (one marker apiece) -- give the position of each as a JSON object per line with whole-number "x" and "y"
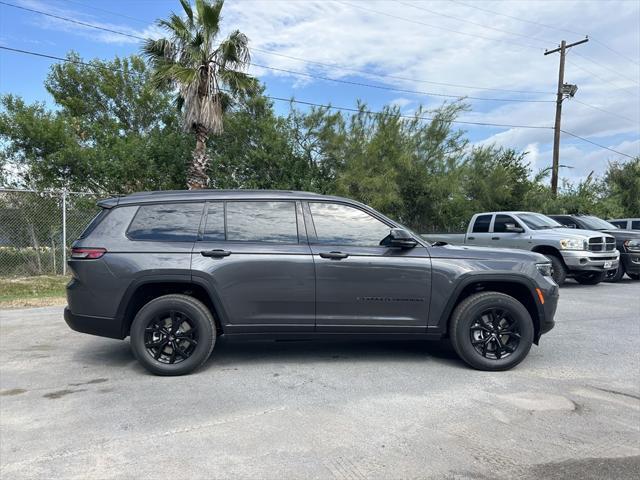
{"x": 233, "y": 52}
{"x": 209, "y": 16}
{"x": 177, "y": 26}
{"x": 157, "y": 49}
{"x": 238, "y": 83}
{"x": 186, "y": 6}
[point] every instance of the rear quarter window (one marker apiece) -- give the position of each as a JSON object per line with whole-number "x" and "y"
{"x": 481, "y": 225}
{"x": 170, "y": 222}
{"x": 95, "y": 221}
{"x": 635, "y": 225}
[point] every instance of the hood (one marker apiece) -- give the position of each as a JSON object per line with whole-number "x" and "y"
{"x": 569, "y": 233}
{"x": 622, "y": 234}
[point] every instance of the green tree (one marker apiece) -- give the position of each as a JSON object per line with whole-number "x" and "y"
{"x": 207, "y": 77}
{"x": 623, "y": 186}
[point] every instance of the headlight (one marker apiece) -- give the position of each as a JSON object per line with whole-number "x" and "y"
{"x": 632, "y": 245}
{"x": 545, "y": 269}
{"x": 573, "y": 244}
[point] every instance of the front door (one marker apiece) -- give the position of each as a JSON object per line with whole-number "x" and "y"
{"x": 255, "y": 257}
{"x": 360, "y": 285}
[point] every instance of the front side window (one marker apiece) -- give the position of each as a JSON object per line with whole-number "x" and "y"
{"x": 635, "y": 225}
{"x": 622, "y": 224}
{"x": 481, "y": 225}
{"x": 344, "y": 225}
{"x": 170, "y": 222}
{"x": 537, "y": 221}
{"x": 502, "y": 221}
{"x": 262, "y": 222}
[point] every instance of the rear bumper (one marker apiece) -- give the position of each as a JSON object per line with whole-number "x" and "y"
{"x": 583, "y": 260}
{"x": 100, "y": 326}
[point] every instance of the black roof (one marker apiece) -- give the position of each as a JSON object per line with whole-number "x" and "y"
{"x": 211, "y": 194}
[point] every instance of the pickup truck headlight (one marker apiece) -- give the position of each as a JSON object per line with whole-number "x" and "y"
{"x": 632, "y": 245}
{"x": 545, "y": 269}
{"x": 573, "y": 244}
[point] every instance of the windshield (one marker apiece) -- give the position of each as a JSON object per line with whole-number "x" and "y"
{"x": 536, "y": 221}
{"x": 595, "y": 223}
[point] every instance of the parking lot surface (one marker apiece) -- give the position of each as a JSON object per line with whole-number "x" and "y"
{"x": 76, "y": 406}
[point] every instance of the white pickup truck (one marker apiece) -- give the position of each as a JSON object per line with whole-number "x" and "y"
{"x": 586, "y": 255}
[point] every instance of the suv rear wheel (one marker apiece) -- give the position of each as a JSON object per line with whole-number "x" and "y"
{"x": 491, "y": 331}
{"x": 173, "y": 335}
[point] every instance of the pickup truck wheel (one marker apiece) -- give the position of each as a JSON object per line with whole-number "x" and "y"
{"x": 173, "y": 335}
{"x": 491, "y": 331}
{"x": 559, "y": 273}
{"x": 615, "y": 275}
{"x": 590, "y": 278}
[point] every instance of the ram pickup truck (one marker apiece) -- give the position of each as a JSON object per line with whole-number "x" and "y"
{"x": 585, "y": 255}
{"x": 175, "y": 270}
{"x": 627, "y": 242}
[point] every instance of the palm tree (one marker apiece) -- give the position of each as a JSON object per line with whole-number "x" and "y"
{"x": 207, "y": 77}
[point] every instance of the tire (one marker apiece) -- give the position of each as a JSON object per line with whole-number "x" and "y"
{"x": 613, "y": 276}
{"x": 633, "y": 276}
{"x": 173, "y": 335}
{"x": 477, "y": 346}
{"x": 590, "y": 278}
{"x": 559, "y": 274}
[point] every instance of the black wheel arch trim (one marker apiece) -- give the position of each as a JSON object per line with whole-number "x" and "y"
{"x": 470, "y": 278}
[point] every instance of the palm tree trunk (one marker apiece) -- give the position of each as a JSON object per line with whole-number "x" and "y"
{"x": 197, "y": 175}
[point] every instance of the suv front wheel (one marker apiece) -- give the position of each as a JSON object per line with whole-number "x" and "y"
{"x": 491, "y": 331}
{"x": 173, "y": 335}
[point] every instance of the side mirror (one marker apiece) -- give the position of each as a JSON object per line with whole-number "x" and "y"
{"x": 512, "y": 228}
{"x": 399, "y": 238}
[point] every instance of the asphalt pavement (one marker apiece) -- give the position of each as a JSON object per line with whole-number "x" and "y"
{"x": 76, "y": 406}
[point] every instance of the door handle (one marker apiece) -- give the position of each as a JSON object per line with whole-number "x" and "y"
{"x": 217, "y": 253}
{"x": 471, "y": 238}
{"x": 495, "y": 238}
{"x": 334, "y": 255}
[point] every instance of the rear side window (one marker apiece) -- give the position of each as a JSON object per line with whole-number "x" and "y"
{"x": 635, "y": 225}
{"x": 481, "y": 225}
{"x": 621, "y": 224}
{"x": 214, "y": 226}
{"x": 273, "y": 222}
{"x": 94, "y": 223}
{"x": 170, "y": 222}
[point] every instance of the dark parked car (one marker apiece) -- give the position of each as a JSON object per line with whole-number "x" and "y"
{"x": 626, "y": 223}
{"x": 627, "y": 242}
{"x": 175, "y": 270}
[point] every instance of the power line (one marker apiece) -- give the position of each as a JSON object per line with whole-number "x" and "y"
{"x": 416, "y": 22}
{"x": 462, "y": 19}
{"x": 566, "y": 30}
{"x": 586, "y": 70}
{"x": 332, "y": 107}
{"x": 400, "y": 90}
{"x": 291, "y": 100}
{"x": 106, "y": 11}
{"x": 605, "y": 67}
{"x": 596, "y": 144}
{"x": 603, "y": 110}
{"x": 85, "y": 24}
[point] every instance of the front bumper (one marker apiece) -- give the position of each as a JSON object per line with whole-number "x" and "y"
{"x": 584, "y": 260}
{"x": 100, "y": 326}
{"x": 631, "y": 262}
{"x": 547, "y": 321}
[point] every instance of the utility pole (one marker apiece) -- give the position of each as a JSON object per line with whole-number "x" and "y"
{"x": 568, "y": 90}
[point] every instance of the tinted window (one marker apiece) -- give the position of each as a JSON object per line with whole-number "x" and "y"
{"x": 481, "y": 224}
{"x": 635, "y": 225}
{"x": 214, "y": 226}
{"x": 343, "y": 225}
{"x": 262, "y": 222}
{"x": 500, "y": 225}
{"x": 620, "y": 224}
{"x": 94, "y": 223}
{"x": 176, "y": 222}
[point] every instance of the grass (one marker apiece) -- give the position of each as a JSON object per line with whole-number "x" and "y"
{"x": 40, "y": 291}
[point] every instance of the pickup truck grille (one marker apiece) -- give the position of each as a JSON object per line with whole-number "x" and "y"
{"x": 602, "y": 244}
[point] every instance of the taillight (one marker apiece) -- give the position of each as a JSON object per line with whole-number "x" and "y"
{"x": 87, "y": 253}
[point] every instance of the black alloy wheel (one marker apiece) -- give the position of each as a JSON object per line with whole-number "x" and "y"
{"x": 495, "y": 334}
{"x": 171, "y": 338}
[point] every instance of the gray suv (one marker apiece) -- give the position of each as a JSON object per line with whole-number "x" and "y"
{"x": 175, "y": 270}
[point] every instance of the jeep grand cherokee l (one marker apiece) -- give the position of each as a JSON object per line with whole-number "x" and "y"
{"x": 175, "y": 270}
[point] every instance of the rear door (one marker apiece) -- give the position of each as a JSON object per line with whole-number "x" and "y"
{"x": 479, "y": 234}
{"x": 256, "y": 260}
{"x": 360, "y": 285}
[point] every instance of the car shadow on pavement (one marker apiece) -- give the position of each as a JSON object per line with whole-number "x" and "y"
{"x": 228, "y": 353}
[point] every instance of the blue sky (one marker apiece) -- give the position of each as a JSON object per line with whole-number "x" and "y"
{"x": 415, "y": 45}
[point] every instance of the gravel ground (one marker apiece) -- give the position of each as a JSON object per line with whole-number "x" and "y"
{"x": 76, "y": 406}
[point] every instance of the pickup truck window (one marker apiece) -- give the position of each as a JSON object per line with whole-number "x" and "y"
{"x": 343, "y": 225}
{"x": 500, "y": 225}
{"x": 635, "y": 225}
{"x": 481, "y": 225}
{"x": 536, "y": 221}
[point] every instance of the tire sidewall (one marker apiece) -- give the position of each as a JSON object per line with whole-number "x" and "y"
{"x": 559, "y": 270}
{"x": 462, "y": 340}
{"x": 196, "y": 312}
{"x": 592, "y": 278}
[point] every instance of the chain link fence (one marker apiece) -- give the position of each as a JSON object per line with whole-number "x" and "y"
{"x": 37, "y": 229}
